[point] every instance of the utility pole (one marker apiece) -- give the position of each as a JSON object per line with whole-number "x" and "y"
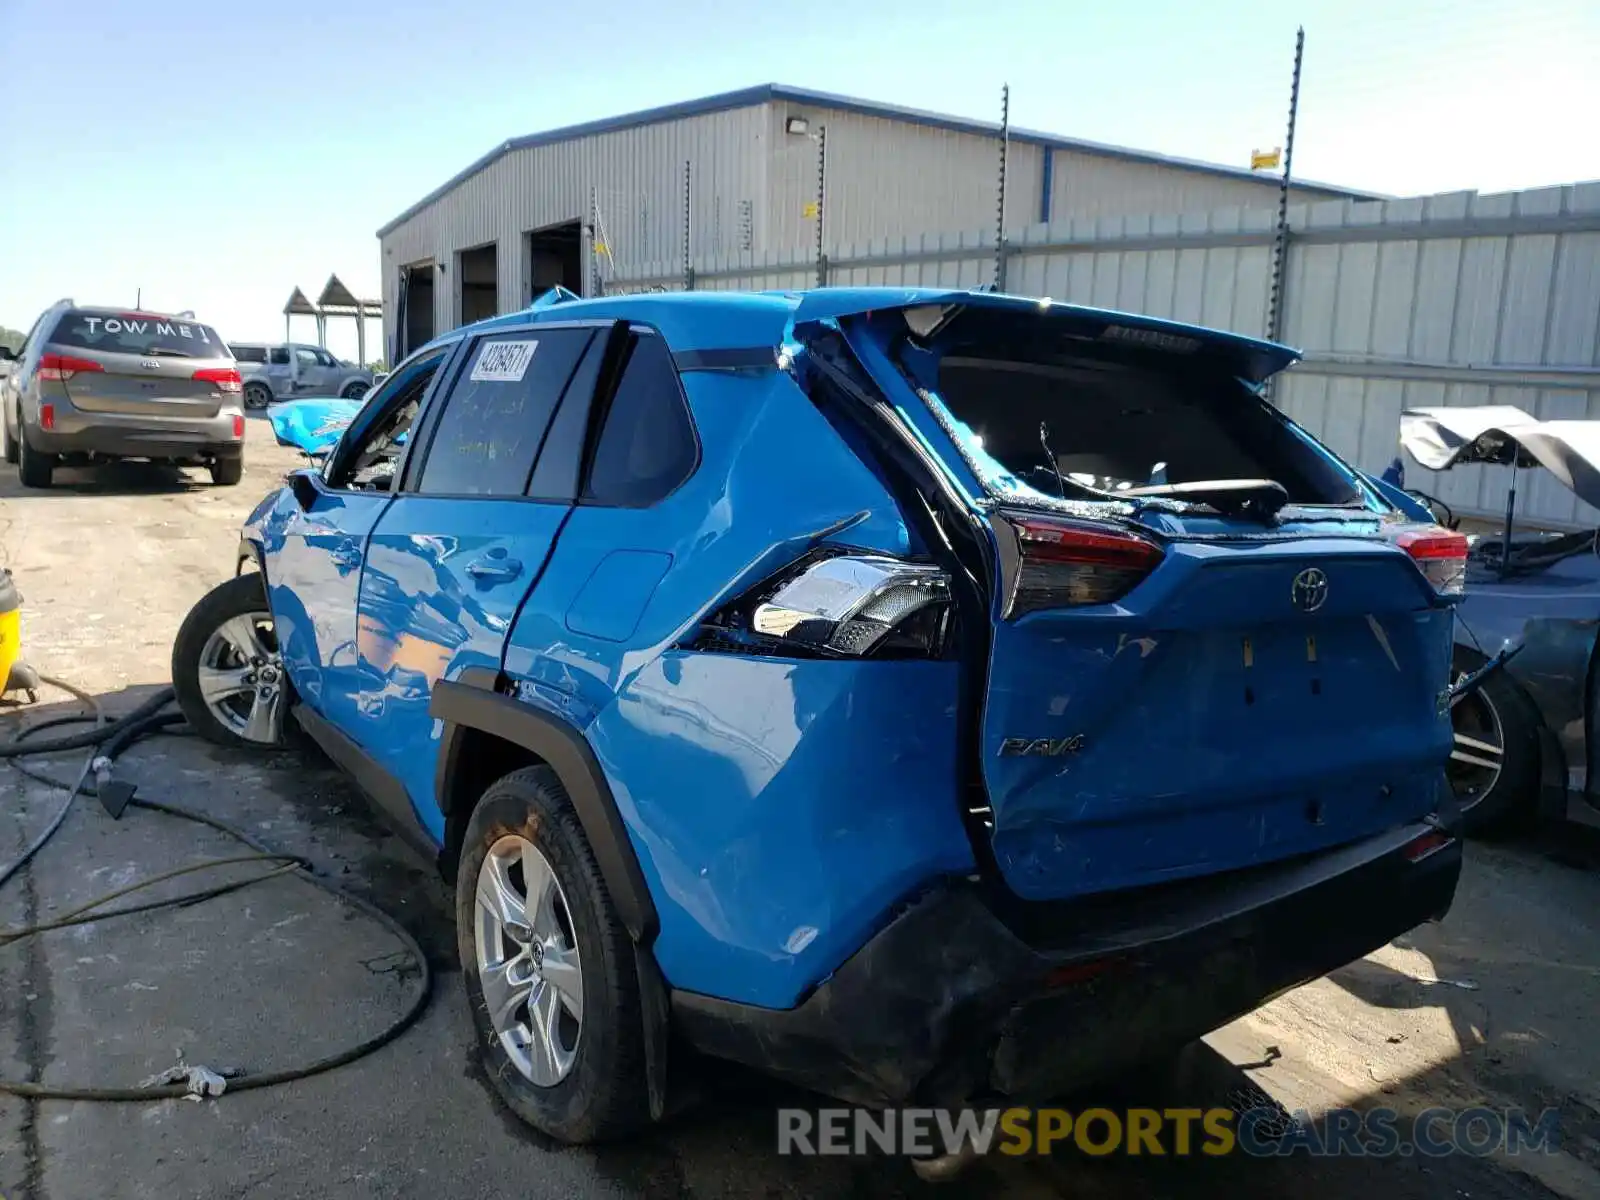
{"x": 688, "y": 265}
{"x": 1280, "y": 248}
{"x": 822, "y": 202}
{"x": 1000, "y": 223}
{"x": 594, "y": 238}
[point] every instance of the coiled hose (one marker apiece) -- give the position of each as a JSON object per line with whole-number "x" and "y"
{"x": 106, "y": 741}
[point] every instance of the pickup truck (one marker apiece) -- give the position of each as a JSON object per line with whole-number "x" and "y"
{"x": 290, "y": 370}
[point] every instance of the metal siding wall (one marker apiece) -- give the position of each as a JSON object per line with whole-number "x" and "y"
{"x": 1096, "y": 185}
{"x": 1454, "y": 299}
{"x": 638, "y": 174}
{"x": 887, "y": 176}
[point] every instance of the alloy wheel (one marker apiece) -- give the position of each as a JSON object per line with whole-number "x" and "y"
{"x": 528, "y": 964}
{"x": 1479, "y": 752}
{"x": 241, "y": 677}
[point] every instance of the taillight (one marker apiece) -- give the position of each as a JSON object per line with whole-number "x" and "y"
{"x": 844, "y": 605}
{"x": 62, "y": 367}
{"x": 47, "y": 417}
{"x": 238, "y": 425}
{"x": 1064, "y": 564}
{"x": 227, "y": 379}
{"x": 1441, "y": 555}
{"x": 1427, "y": 845}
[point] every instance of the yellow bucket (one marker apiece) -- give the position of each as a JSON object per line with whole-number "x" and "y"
{"x": 10, "y": 628}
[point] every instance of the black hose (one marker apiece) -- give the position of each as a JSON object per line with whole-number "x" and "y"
{"x": 109, "y": 739}
{"x": 92, "y": 737}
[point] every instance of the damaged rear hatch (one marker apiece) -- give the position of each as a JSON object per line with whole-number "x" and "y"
{"x": 1212, "y": 644}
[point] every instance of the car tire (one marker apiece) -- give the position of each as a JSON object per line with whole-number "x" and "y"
{"x": 226, "y": 472}
{"x": 591, "y": 1087}
{"x": 1494, "y": 768}
{"x": 257, "y": 396}
{"x": 35, "y": 469}
{"x": 227, "y": 641}
{"x": 354, "y": 391}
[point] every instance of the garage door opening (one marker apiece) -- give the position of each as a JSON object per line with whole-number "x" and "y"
{"x": 480, "y": 291}
{"x": 416, "y": 308}
{"x": 554, "y": 258}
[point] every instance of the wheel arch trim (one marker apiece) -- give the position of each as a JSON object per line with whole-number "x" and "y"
{"x": 472, "y": 703}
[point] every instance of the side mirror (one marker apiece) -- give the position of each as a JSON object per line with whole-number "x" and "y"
{"x": 7, "y": 354}
{"x": 304, "y": 486}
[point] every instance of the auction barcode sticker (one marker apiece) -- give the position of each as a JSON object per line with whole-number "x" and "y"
{"x": 503, "y": 362}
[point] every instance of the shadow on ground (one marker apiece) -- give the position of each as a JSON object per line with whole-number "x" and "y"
{"x": 722, "y": 1141}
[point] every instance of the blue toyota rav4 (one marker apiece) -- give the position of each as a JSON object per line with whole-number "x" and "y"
{"x": 926, "y": 697}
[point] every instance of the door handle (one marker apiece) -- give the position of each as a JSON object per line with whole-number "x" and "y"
{"x": 494, "y": 570}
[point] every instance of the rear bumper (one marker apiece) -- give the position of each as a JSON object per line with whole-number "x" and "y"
{"x": 118, "y": 436}
{"x": 952, "y": 1001}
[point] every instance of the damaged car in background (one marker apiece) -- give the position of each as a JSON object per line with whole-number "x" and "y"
{"x": 1526, "y": 742}
{"x": 923, "y": 696}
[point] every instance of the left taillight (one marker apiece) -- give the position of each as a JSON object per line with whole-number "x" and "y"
{"x": 227, "y": 379}
{"x": 1069, "y": 564}
{"x": 841, "y": 605}
{"x": 1441, "y": 556}
{"x": 60, "y": 368}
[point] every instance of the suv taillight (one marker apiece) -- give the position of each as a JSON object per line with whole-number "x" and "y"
{"x": 227, "y": 379}
{"x": 1441, "y": 555}
{"x": 847, "y": 605}
{"x": 1067, "y": 564}
{"x": 62, "y": 367}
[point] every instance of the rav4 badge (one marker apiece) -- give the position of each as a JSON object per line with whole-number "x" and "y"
{"x": 1041, "y": 747}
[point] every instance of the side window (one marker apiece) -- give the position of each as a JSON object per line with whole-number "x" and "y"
{"x": 324, "y": 359}
{"x": 278, "y": 356}
{"x": 647, "y": 446}
{"x": 305, "y": 356}
{"x": 495, "y": 416}
{"x": 371, "y": 465}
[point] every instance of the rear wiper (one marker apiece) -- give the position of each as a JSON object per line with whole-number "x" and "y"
{"x": 1050, "y": 456}
{"x": 164, "y": 352}
{"x": 1258, "y": 499}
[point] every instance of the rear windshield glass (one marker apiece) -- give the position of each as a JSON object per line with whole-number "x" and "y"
{"x": 1114, "y": 425}
{"x": 139, "y": 333}
{"x": 253, "y": 354}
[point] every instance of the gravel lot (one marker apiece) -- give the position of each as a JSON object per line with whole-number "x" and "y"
{"x": 1495, "y": 1005}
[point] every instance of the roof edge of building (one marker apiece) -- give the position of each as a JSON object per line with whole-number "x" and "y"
{"x": 765, "y": 93}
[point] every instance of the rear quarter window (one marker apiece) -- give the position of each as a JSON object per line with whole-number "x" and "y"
{"x": 647, "y": 446}
{"x": 138, "y": 333}
{"x": 249, "y": 354}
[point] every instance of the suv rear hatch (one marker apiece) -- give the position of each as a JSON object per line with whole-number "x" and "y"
{"x": 1211, "y": 644}
{"x": 139, "y": 365}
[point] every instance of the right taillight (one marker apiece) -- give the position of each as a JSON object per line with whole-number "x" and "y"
{"x": 1067, "y": 564}
{"x": 1441, "y": 555}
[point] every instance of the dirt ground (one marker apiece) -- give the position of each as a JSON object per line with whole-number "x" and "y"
{"x": 1495, "y": 1005}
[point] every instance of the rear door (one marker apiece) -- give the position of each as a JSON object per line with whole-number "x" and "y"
{"x": 137, "y": 364}
{"x": 1172, "y": 687}
{"x": 451, "y": 559}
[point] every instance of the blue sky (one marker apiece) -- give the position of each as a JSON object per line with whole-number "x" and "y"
{"x": 219, "y": 154}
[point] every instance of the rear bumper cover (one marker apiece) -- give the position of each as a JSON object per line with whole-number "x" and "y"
{"x": 122, "y": 436}
{"x": 950, "y": 1002}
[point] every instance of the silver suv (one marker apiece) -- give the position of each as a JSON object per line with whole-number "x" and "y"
{"x": 96, "y": 384}
{"x": 290, "y": 370}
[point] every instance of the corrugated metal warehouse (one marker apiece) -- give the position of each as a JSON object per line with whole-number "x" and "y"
{"x": 517, "y": 221}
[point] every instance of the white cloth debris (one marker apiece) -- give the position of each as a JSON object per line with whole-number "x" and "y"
{"x": 201, "y": 1081}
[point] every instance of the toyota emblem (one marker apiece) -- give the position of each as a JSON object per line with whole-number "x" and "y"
{"x": 1309, "y": 591}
